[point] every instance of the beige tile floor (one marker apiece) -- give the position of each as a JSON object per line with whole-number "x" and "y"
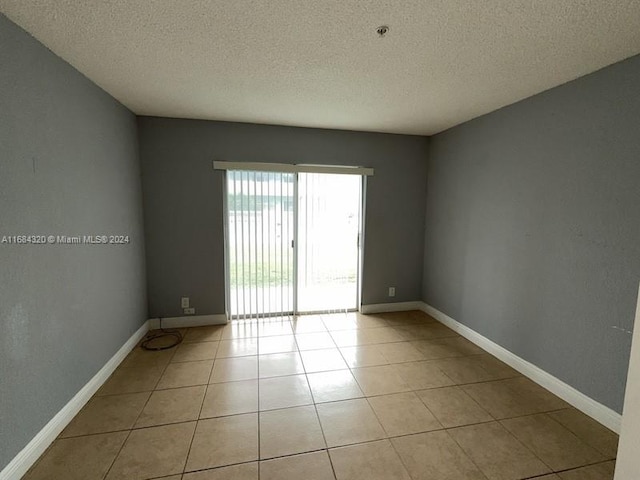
{"x": 326, "y": 397}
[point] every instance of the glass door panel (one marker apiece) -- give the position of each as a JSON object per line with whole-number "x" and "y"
{"x": 328, "y": 235}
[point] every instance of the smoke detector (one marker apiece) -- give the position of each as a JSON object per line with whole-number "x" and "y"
{"x": 382, "y": 30}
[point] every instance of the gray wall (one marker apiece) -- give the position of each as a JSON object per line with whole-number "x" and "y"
{"x": 183, "y": 203}
{"x": 533, "y": 228}
{"x": 68, "y": 165}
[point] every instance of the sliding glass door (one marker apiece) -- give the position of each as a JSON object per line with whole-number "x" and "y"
{"x": 292, "y": 242}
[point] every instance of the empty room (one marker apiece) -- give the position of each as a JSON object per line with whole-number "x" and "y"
{"x": 321, "y": 240}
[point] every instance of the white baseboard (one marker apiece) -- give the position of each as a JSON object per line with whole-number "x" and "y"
{"x": 188, "y": 321}
{"x": 607, "y": 417}
{"x": 36, "y": 447}
{"x": 390, "y": 307}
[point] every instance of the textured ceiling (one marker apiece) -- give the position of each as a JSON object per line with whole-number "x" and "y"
{"x": 319, "y": 63}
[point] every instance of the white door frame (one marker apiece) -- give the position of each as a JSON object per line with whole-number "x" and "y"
{"x": 628, "y": 461}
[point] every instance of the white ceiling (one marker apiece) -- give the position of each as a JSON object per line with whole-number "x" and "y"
{"x": 320, "y": 63}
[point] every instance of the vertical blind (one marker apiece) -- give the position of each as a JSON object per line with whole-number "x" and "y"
{"x": 260, "y": 210}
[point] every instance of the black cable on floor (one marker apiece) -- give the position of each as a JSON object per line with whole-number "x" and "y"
{"x": 162, "y": 333}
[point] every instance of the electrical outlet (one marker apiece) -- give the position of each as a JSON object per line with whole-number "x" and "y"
{"x": 392, "y": 291}
{"x": 189, "y": 311}
{"x": 184, "y": 302}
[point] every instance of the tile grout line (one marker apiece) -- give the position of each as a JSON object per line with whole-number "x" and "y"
{"x": 193, "y": 437}
{"x": 315, "y": 407}
{"x": 525, "y": 447}
{"x": 258, "y": 390}
{"x": 406, "y": 467}
{"x": 442, "y": 428}
{"x": 117, "y": 455}
{"x": 573, "y": 433}
{"x": 363, "y": 392}
{"x": 467, "y": 453}
{"x": 290, "y": 455}
{"x": 582, "y": 466}
{"x": 140, "y": 413}
{"x": 565, "y": 428}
